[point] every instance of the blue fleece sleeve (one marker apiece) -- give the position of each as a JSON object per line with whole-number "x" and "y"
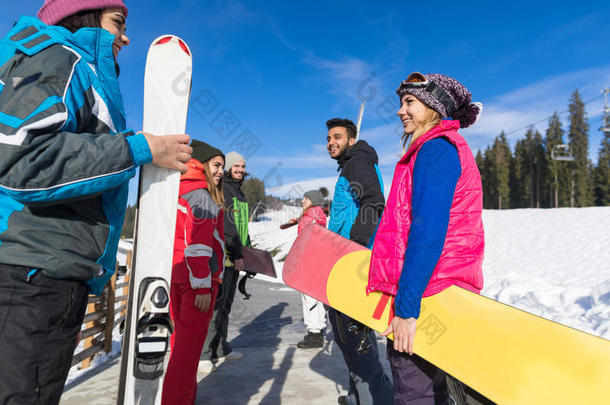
{"x": 140, "y": 151}
{"x": 435, "y": 175}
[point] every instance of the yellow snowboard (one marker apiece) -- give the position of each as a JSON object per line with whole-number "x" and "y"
{"x": 508, "y": 355}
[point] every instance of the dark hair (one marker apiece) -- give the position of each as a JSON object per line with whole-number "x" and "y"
{"x": 82, "y": 19}
{"x": 343, "y": 122}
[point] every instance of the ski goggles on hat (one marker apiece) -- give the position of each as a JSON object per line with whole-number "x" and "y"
{"x": 419, "y": 81}
{"x": 415, "y": 80}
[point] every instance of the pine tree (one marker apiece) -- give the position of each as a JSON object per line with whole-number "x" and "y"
{"x": 482, "y": 165}
{"x": 490, "y": 200}
{"x": 580, "y": 181}
{"x": 539, "y": 164}
{"x": 527, "y": 171}
{"x": 520, "y": 175}
{"x": 557, "y": 171}
{"x": 602, "y": 172}
{"x": 254, "y": 191}
{"x": 499, "y": 169}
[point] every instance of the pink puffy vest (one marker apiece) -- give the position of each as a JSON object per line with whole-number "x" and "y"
{"x": 462, "y": 256}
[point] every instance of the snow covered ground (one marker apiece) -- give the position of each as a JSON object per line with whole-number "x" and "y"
{"x": 554, "y": 263}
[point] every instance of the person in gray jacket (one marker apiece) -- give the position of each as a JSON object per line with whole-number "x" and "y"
{"x": 67, "y": 158}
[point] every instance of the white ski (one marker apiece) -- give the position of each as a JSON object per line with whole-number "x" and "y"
{"x": 167, "y": 86}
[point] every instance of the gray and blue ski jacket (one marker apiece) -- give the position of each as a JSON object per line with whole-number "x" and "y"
{"x": 66, "y": 156}
{"x": 358, "y": 200}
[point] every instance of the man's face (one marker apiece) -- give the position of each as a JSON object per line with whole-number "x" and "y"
{"x": 338, "y": 141}
{"x": 238, "y": 170}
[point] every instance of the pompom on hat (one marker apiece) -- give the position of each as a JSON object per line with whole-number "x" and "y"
{"x": 53, "y": 11}
{"x": 444, "y": 95}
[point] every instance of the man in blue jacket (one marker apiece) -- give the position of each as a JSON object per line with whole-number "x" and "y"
{"x": 354, "y": 214}
{"x": 66, "y": 160}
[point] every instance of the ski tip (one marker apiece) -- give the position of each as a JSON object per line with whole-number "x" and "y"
{"x": 167, "y": 38}
{"x": 163, "y": 40}
{"x": 184, "y": 47}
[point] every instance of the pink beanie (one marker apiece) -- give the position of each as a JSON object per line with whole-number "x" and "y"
{"x": 53, "y": 11}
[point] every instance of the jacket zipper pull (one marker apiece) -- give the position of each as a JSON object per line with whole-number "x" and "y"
{"x": 31, "y": 275}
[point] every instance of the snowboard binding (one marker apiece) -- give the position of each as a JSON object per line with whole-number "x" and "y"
{"x": 153, "y": 329}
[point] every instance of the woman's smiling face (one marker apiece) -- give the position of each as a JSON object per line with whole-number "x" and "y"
{"x": 412, "y": 113}
{"x": 113, "y": 21}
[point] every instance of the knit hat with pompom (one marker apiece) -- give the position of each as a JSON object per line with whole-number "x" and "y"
{"x": 459, "y": 104}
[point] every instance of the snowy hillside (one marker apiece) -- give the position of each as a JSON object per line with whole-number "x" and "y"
{"x": 554, "y": 263}
{"x": 297, "y": 189}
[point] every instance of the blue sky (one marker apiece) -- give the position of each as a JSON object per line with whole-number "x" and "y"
{"x": 281, "y": 69}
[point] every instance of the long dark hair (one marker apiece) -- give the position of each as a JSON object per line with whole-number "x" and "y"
{"x": 82, "y": 19}
{"x": 86, "y": 19}
{"x": 214, "y": 190}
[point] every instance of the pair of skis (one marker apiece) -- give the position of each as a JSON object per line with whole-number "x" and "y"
{"x": 167, "y": 87}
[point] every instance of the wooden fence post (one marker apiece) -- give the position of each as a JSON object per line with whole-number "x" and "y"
{"x": 100, "y": 318}
{"x": 89, "y": 340}
{"x": 110, "y": 296}
{"x": 127, "y": 279}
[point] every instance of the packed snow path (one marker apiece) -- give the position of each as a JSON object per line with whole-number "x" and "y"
{"x": 265, "y": 329}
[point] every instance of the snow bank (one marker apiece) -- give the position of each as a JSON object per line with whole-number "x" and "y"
{"x": 554, "y": 263}
{"x": 267, "y": 235}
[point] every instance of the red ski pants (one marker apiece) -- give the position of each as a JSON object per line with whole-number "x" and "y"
{"x": 190, "y": 330}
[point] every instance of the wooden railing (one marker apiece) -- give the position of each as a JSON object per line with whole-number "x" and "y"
{"x": 102, "y": 316}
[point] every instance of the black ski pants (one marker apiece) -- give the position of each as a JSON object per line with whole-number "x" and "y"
{"x": 419, "y": 382}
{"x": 216, "y": 345}
{"x": 368, "y": 382}
{"x": 39, "y": 323}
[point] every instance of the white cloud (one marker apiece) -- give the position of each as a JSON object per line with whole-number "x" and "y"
{"x": 345, "y": 76}
{"x": 387, "y": 132}
{"x": 534, "y": 103}
{"x": 317, "y": 159}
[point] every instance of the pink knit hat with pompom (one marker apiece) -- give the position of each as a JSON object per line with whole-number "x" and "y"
{"x": 53, "y": 11}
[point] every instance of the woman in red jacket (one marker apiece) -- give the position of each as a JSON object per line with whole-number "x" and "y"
{"x": 197, "y": 269}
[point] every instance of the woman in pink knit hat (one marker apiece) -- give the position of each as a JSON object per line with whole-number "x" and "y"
{"x": 67, "y": 157}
